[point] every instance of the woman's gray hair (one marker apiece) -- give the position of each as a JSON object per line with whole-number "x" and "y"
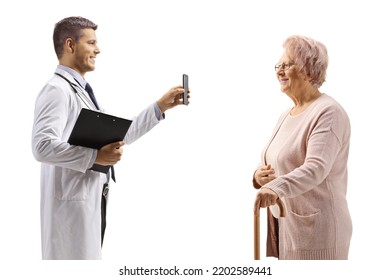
{"x": 310, "y": 57}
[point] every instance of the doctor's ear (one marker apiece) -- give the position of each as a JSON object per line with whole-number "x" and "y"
{"x": 69, "y": 45}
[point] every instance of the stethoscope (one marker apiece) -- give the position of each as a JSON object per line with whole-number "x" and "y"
{"x": 79, "y": 91}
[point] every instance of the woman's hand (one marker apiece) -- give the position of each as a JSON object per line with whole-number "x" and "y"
{"x": 264, "y": 175}
{"x": 265, "y": 197}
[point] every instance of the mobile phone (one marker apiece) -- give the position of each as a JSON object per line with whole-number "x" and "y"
{"x": 185, "y": 86}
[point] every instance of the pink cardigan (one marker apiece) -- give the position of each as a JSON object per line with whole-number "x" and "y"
{"x": 313, "y": 181}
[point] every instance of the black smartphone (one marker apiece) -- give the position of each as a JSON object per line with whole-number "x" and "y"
{"x": 185, "y": 86}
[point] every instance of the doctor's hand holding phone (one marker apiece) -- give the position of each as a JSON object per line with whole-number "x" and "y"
{"x": 175, "y": 96}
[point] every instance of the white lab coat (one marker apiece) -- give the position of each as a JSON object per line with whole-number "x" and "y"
{"x": 70, "y": 192}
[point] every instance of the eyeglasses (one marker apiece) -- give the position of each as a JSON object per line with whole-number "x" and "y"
{"x": 283, "y": 66}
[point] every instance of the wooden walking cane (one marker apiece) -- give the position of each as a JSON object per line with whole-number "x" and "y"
{"x": 256, "y": 223}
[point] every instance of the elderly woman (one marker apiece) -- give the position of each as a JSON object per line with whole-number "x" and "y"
{"x": 305, "y": 162}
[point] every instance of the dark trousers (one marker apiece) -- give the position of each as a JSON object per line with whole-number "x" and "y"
{"x": 104, "y": 209}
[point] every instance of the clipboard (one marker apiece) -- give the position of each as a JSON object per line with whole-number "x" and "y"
{"x": 95, "y": 129}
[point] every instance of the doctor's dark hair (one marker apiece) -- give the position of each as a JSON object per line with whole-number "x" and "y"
{"x": 70, "y": 27}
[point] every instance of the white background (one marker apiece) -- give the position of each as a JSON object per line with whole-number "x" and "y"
{"x": 184, "y": 194}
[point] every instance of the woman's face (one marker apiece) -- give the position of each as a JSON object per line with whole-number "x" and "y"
{"x": 291, "y": 82}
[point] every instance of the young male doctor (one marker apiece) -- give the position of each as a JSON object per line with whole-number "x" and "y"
{"x": 73, "y": 197}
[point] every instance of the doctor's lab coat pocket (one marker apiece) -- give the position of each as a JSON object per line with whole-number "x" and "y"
{"x": 72, "y": 185}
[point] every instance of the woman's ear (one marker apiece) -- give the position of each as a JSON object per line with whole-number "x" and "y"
{"x": 307, "y": 77}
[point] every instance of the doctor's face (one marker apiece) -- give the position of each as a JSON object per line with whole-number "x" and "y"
{"x": 85, "y": 52}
